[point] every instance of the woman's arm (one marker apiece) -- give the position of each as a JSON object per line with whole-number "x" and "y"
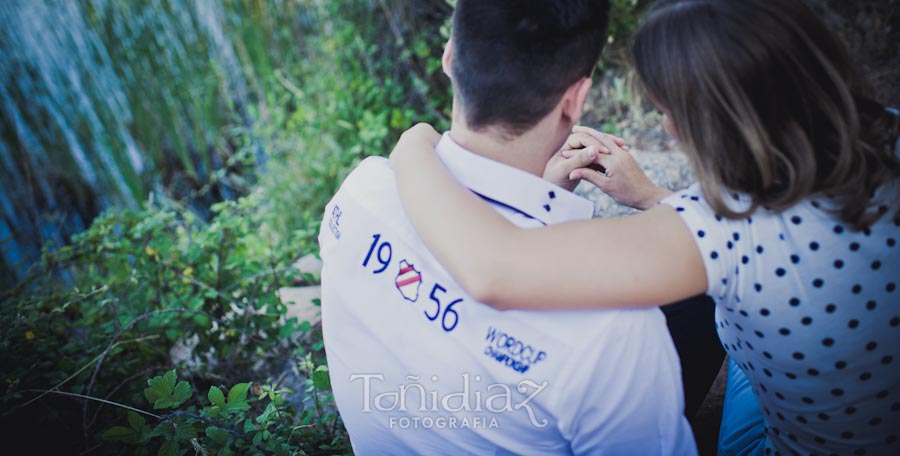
{"x": 644, "y": 260}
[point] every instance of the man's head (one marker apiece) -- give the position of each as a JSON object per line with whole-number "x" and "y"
{"x": 514, "y": 60}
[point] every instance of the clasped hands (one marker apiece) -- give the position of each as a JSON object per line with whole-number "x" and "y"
{"x": 605, "y": 161}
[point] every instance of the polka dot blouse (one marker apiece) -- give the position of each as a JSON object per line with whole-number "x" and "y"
{"x": 810, "y": 310}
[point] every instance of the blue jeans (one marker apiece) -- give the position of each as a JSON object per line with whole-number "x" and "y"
{"x": 743, "y": 430}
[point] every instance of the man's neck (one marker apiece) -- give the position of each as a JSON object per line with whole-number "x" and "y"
{"x": 529, "y": 152}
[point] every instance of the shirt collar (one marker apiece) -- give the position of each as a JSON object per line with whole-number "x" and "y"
{"x": 512, "y": 187}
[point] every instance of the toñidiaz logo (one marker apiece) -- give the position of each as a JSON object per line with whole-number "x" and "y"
{"x": 431, "y": 402}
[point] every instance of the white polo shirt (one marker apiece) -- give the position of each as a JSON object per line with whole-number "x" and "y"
{"x": 419, "y": 367}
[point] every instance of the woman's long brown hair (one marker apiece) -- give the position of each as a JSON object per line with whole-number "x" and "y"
{"x": 766, "y": 102}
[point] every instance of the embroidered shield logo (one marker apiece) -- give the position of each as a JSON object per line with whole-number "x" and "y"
{"x": 408, "y": 281}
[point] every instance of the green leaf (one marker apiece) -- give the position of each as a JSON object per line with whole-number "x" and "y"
{"x": 282, "y": 450}
{"x": 120, "y": 433}
{"x": 238, "y": 392}
{"x": 164, "y": 429}
{"x": 267, "y": 414}
{"x": 168, "y": 448}
{"x": 201, "y": 320}
{"x": 136, "y": 421}
{"x": 160, "y": 386}
{"x": 236, "y": 406}
{"x": 185, "y": 431}
{"x": 182, "y": 392}
{"x": 304, "y": 326}
{"x": 217, "y": 435}
{"x": 163, "y": 392}
{"x": 216, "y": 396}
{"x": 320, "y": 378}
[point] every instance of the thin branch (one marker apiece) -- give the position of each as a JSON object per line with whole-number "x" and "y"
{"x": 91, "y": 449}
{"x": 82, "y": 369}
{"x": 287, "y": 84}
{"x": 92, "y": 398}
{"x": 119, "y": 386}
{"x": 80, "y": 298}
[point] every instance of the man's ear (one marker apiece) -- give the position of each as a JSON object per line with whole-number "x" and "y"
{"x": 573, "y": 100}
{"x": 447, "y": 58}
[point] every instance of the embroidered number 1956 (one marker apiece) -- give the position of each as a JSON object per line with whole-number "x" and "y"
{"x": 382, "y": 252}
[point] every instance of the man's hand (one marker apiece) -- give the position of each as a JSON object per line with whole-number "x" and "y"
{"x": 619, "y": 175}
{"x": 561, "y": 167}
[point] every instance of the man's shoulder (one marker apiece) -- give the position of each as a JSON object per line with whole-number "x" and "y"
{"x": 372, "y": 186}
{"x": 370, "y": 174}
{"x": 368, "y": 198}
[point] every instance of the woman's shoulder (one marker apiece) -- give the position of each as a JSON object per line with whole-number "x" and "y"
{"x": 693, "y": 206}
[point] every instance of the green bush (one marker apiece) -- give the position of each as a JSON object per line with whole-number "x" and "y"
{"x": 120, "y": 303}
{"x": 376, "y": 72}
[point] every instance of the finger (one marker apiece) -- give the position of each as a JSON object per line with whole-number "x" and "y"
{"x": 598, "y": 134}
{"x": 582, "y": 140}
{"x": 606, "y": 161}
{"x": 580, "y": 159}
{"x": 422, "y": 132}
{"x": 569, "y": 153}
{"x": 591, "y": 175}
{"x": 423, "y": 129}
{"x": 610, "y": 144}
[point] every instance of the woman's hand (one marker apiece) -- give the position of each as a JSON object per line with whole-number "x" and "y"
{"x": 619, "y": 174}
{"x": 421, "y": 137}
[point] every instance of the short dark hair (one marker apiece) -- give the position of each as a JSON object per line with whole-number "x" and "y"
{"x": 514, "y": 59}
